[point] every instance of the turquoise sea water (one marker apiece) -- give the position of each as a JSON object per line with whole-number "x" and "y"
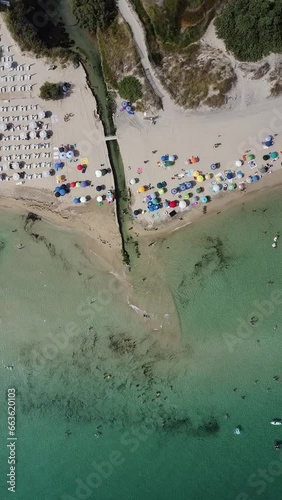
{"x": 106, "y": 412}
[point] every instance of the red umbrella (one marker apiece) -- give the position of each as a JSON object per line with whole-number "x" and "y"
{"x": 79, "y": 167}
{"x": 173, "y": 204}
{"x": 73, "y": 184}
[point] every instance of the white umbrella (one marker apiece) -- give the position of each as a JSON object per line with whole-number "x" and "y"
{"x": 239, "y": 163}
{"x": 46, "y": 173}
{"x": 23, "y": 136}
{"x": 32, "y": 125}
{"x": 84, "y": 200}
{"x": 182, "y": 204}
{"x": 16, "y": 177}
{"x": 99, "y": 199}
{"x": 32, "y": 135}
{"x": 7, "y": 64}
{"x": 132, "y": 181}
{"x": 2, "y": 126}
{"x": 43, "y": 134}
{"x": 15, "y": 165}
{"x": 41, "y": 115}
{"x": 98, "y": 173}
{"x": 63, "y": 156}
{"x": 70, "y": 154}
{"x": 216, "y": 188}
{"x": 5, "y": 167}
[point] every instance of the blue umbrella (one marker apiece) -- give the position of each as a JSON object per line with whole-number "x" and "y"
{"x": 57, "y": 189}
{"x": 98, "y": 188}
{"x": 229, "y": 175}
{"x": 76, "y": 200}
{"x": 164, "y": 184}
{"x": 124, "y": 104}
{"x": 268, "y": 138}
{"x": 268, "y": 143}
{"x": 62, "y": 192}
{"x": 165, "y": 204}
{"x": 58, "y": 165}
{"x": 213, "y": 166}
{"x": 164, "y": 158}
{"x": 182, "y": 187}
{"x": 84, "y": 184}
{"x": 174, "y": 191}
{"x": 151, "y": 208}
{"x": 156, "y": 207}
{"x": 204, "y": 199}
{"x": 136, "y": 212}
{"x": 255, "y": 178}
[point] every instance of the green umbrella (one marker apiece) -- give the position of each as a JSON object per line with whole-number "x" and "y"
{"x": 250, "y": 157}
{"x": 186, "y": 196}
{"x": 274, "y": 154}
{"x": 198, "y": 190}
{"x": 155, "y": 201}
{"x": 159, "y": 185}
{"x": 161, "y": 191}
{"x": 232, "y": 186}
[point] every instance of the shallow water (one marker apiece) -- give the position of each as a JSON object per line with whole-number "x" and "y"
{"x": 102, "y": 373}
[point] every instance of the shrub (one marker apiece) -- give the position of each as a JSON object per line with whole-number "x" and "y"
{"x": 93, "y": 14}
{"x": 130, "y": 88}
{"x": 251, "y": 29}
{"x": 49, "y": 91}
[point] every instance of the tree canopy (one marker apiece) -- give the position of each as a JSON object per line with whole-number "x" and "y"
{"x": 93, "y": 14}
{"x": 130, "y": 88}
{"x": 251, "y": 29}
{"x": 49, "y": 91}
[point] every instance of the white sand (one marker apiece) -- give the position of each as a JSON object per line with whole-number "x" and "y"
{"x": 83, "y": 129}
{"x": 186, "y": 134}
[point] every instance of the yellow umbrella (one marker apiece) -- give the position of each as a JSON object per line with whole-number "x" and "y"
{"x": 142, "y": 189}
{"x": 196, "y": 173}
{"x": 200, "y": 178}
{"x": 218, "y": 179}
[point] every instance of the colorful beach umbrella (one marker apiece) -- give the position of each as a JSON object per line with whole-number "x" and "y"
{"x": 73, "y": 184}
{"x": 141, "y": 189}
{"x": 204, "y": 199}
{"x": 84, "y": 184}
{"x": 161, "y": 191}
{"x": 62, "y": 192}
{"x": 199, "y": 190}
{"x": 80, "y": 168}
{"x": 173, "y": 204}
{"x": 213, "y": 166}
{"x": 208, "y": 176}
{"x": 182, "y": 204}
{"x": 274, "y": 154}
{"x": 76, "y": 201}
{"x": 196, "y": 173}
{"x": 200, "y": 178}
{"x": 250, "y": 157}
{"x": 159, "y": 185}
{"x": 232, "y": 186}
{"x": 174, "y": 191}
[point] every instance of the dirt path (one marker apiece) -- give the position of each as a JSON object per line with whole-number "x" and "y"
{"x": 131, "y": 17}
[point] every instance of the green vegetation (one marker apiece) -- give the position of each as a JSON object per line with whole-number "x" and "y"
{"x": 118, "y": 63}
{"x": 94, "y": 14}
{"x": 26, "y": 35}
{"x": 49, "y": 91}
{"x": 130, "y": 88}
{"x": 251, "y": 29}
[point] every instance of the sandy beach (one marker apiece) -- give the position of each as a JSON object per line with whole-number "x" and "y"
{"x": 194, "y": 134}
{"x": 20, "y": 79}
{"x": 73, "y": 120}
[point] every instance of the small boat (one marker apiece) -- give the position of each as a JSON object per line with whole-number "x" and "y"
{"x": 278, "y": 445}
{"x": 237, "y": 430}
{"x": 20, "y": 246}
{"x": 276, "y": 422}
{"x": 274, "y": 245}
{"x": 9, "y": 367}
